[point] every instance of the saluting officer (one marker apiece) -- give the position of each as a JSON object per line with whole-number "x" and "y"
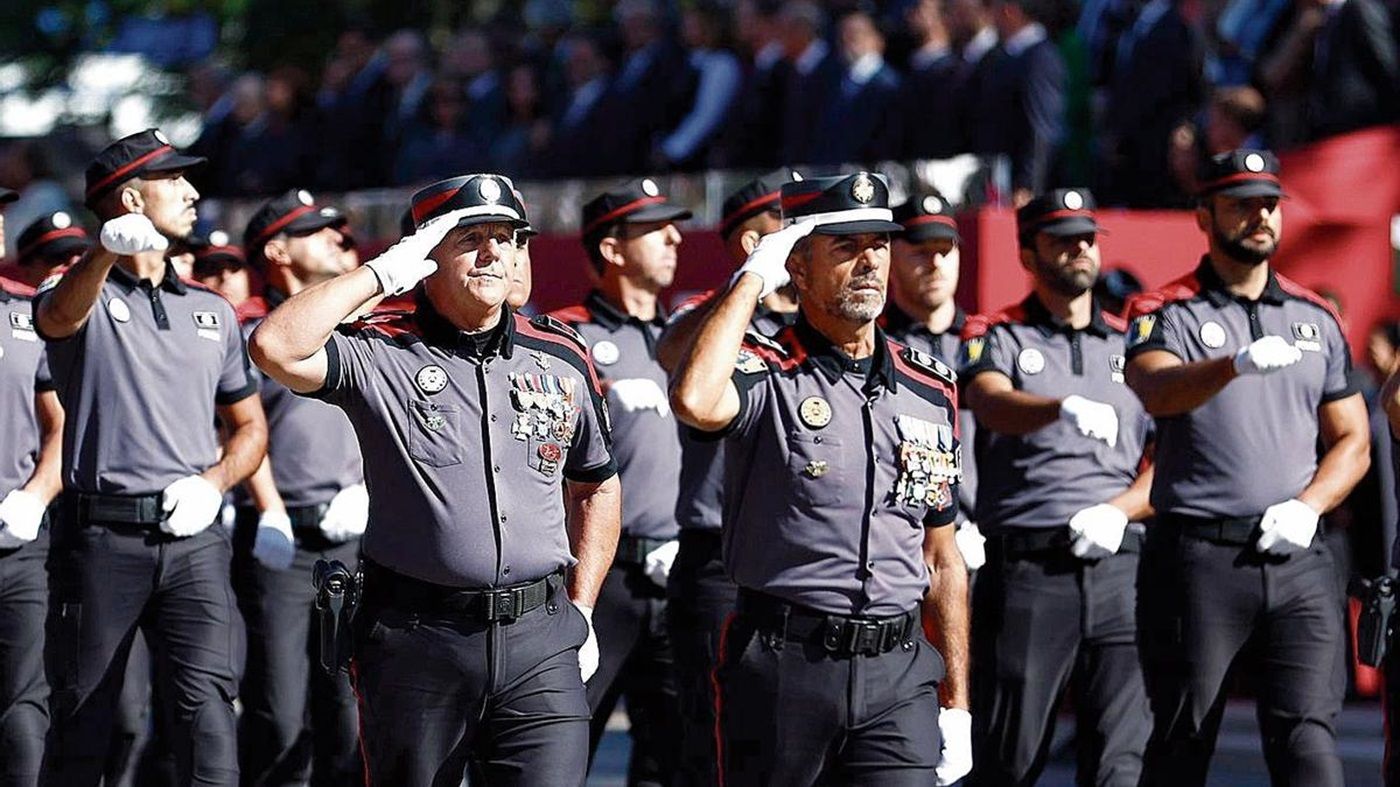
{"x": 143, "y": 362}
{"x": 699, "y": 593}
{"x": 306, "y": 502}
{"x": 631, "y": 239}
{"x": 49, "y": 243}
{"x": 925, "y": 263}
{"x": 840, "y": 483}
{"x": 1061, "y": 437}
{"x": 31, "y": 441}
{"x": 487, "y": 459}
{"x": 1244, "y": 370}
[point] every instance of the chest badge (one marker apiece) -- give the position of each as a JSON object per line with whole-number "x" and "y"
{"x": 1116, "y": 365}
{"x": 815, "y": 412}
{"x": 431, "y": 379}
{"x": 550, "y": 456}
{"x": 22, "y": 327}
{"x": 541, "y": 360}
{"x": 434, "y": 422}
{"x": 816, "y": 468}
{"x": 605, "y": 353}
{"x": 1307, "y": 336}
{"x": 119, "y": 310}
{"x": 1212, "y": 334}
{"x": 1031, "y": 361}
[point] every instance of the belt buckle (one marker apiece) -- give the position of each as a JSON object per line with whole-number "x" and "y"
{"x": 502, "y": 605}
{"x": 864, "y": 637}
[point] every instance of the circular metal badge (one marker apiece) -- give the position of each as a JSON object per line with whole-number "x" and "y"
{"x": 489, "y": 190}
{"x": 304, "y": 197}
{"x": 1254, "y": 162}
{"x": 1031, "y": 361}
{"x": 431, "y": 379}
{"x": 218, "y": 238}
{"x": 1213, "y": 334}
{"x": 605, "y": 353}
{"x": 815, "y": 412}
{"x": 932, "y": 204}
{"x": 650, "y": 188}
{"x": 1074, "y": 200}
{"x": 863, "y": 189}
{"x": 61, "y": 220}
{"x": 119, "y": 310}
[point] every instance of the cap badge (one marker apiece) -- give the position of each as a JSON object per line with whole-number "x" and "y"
{"x": 489, "y": 190}
{"x": 650, "y": 188}
{"x": 431, "y": 379}
{"x": 327, "y": 211}
{"x": 61, "y": 220}
{"x": 218, "y": 238}
{"x": 304, "y": 197}
{"x": 1212, "y": 334}
{"x": 1254, "y": 162}
{"x": 605, "y": 353}
{"x": 932, "y": 204}
{"x": 160, "y": 136}
{"x": 119, "y": 310}
{"x": 815, "y": 412}
{"x": 795, "y": 176}
{"x": 863, "y": 189}
{"x": 1074, "y": 200}
{"x": 1031, "y": 361}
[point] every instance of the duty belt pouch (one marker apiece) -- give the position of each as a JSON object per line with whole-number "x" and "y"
{"x": 337, "y": 598}
{"x": 1373, "y": 626}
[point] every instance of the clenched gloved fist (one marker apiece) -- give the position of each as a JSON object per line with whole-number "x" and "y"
{"x": 658, "y": 562}
{"x": 274, "y": 545}
{"x": 588, "y": 651}
{"x": 639, "y": 393}
{"x": 768, "y": 260}
{"x": 1266, "y": 355}
{"x": 1097, "y": 531}
{"x": 130, "y": 234}
{"x": 1287, "y": 527}
{"x": 1095, "y": 420}
{"x": 21, "y": 513}
{"x": 191, "y": 504}
{"x": 955, "y": 726}
{"x": 347, "y": 515}
{"x": 972, "y": 544}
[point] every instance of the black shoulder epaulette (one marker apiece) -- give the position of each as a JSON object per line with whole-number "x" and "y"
{"x": 553, "y": 325}
{"x": 754, "y": 337}
{"x": 925, "y": 362}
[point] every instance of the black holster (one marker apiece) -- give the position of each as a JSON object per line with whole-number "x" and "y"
{"x": 337, "y": 597}
{"x": 1377, "y": 597}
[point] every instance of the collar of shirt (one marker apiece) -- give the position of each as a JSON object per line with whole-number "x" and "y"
{"x": 439, "y": 331}
{"x": 1215, "y": 290}
{"x": 1027, "y": 37}
{"x": 865, "y": 68}
{"x": 128, "y": 281}
{"x": 818, "y": 351}
{"x": 1039, "y": 316}
{"x": 980, "y": 45}
{"x": 928, "y": 55}
{"x": 899, "y": 321}
{"x": 610, "y": 317}
{"x": 811, "y": 57}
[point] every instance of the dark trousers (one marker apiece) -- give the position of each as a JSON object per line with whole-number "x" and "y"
{"x": 635, "y": 663}
{"x": 791, "y": 713}
{"x": 107, "y": 580}
{"x": 438, "y": 693}
{"x": 1044, "y": 622}
{"x": 298, "y": 723}
{"x": 1207, "y": 603}
{"x": 24, "y": 710}
{"x": 699, "y": 597}
{"x": 1390, "y": 706}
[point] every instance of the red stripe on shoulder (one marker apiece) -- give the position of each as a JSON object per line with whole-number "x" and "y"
{"x": 1299, "y": 291}
{"x": 1115, "y": 322}
{"x": 18, "y": 288}
{"x": 572, "y": 315}
{"x": 1182, "y": 289}
{"x": 978, "y": 324}
{"x": 391, "y": 324}
{"x": 523, "y": 326}
{"x": 255, "y": 308}
{"x": 694, "y": 301}
{"x": 791, "y": 356}
{"x": 405, "y": 303}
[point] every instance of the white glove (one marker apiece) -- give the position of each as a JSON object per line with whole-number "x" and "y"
{"x": 191, "y": 504}
{"x": 1287, "y": 527}
{"x": 588, "y": 651}
{"x": 347, "y": 515}
{"x": 274, "y": 546}
{"x": 130, "y": 234}
{"x": 406, "y": 263}
{"x": 21, "y": 513}
{"x": 1094, "y": 420}
{"x": 639, "y": 393}
{"x": 955, "y": 725}
{"x": 972, "y": 544}
{"x": 658, "y": 562}
{"x": 1097, "y": 531}
{"x": 768, "y": 260}
{"x": 1266, "y": 355}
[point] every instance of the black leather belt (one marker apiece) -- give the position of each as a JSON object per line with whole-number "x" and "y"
{"x": 1029, "y": 542}
{"x": 483, "y": 605}
{"x": 307, "y": 517}
{"x": 839, "y": 635}
{"x": 634, "y": 549}
{"x": 120, "y": 509}
{"x": 1226, "y": 530}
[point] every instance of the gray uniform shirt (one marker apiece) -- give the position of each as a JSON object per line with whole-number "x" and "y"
{"x": 1254, "y": 444}
{"x": 833, "y": 470}
{"x": 139, "y": 383}
{"x": 1042, "y": 479}
{"x": 701, "y": 498}
{"x": 23, "y": 371}
{"x": 645, "y": 442}
{"x": 310, "y": 444}
{"x": 466, "y": 445}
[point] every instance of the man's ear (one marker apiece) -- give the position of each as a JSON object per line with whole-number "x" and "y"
{"x": 1027, "y": 256}
{"x": 275, "y": 252}
{"x": 1204, "y": 218}
{"x": 611, "y": 251}
{"x": 748, "y": 240}
{"x": 131, "y": 200}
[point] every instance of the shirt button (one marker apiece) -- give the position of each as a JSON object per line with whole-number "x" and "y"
{"x": 503, "y": 517}
{"x": 497, "y": 468}
{"x": 505, "y": 572}
{"x": 817, "y": 439}
{"x": 870, "y": 565}
{"x": 493, "y": 418}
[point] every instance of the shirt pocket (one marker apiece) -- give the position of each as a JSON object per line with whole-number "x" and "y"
{"x": 434, "y": 434}
{"x": 815, "y": 467}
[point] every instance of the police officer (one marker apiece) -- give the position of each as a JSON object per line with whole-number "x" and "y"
{"x": 699, "y": 593}
{"x": 30, "y": 455}
{"x": 1244, "y": 370}
{"x": 49, "y": 243}
{"x": 307, "y": 502}
{"x": 840, "y": 476}
{"x": 1390, "y": 400}
{"x": 142, "y": 361}
{"x": 1062, "y": 438}
{"x": 487, "y": 459}
{"x": 631, "y": 239}
{"x": 925, "y": 262}
{"x": 222, "y": 266}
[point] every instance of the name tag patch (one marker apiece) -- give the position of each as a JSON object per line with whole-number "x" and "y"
{"x": 22, "y": 327}
{"x": 1116, "y": 364}
{"x": 1307, "y": 336}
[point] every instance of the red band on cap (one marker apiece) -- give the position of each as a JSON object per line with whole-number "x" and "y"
{"x": 121, "y": 173}
{"x": 931, "y": 218}
{"x": 1238, "y": 177}
{"x": 70, "y": 232}
{"x": 276, "y": 226}
{"x": 216, "y": 251}
{"x": 1060, "y": 214}
{"x": 619, "y": 212}
{"x": 799, "y": 200}
{"x": 425, "y": 208}
{"x": 748, "y": 207}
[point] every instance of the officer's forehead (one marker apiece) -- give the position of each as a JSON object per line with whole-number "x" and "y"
{"x": 484, "y": 228}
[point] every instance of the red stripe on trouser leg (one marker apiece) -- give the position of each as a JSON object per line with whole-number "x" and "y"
{"x": 360, "y": 704}
{"x": 719, "y": 700}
